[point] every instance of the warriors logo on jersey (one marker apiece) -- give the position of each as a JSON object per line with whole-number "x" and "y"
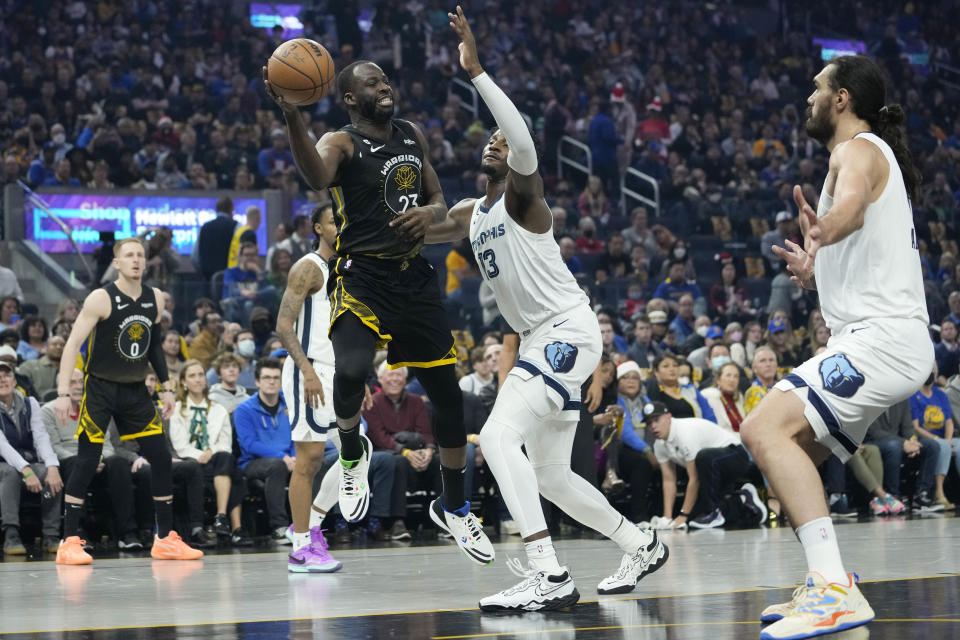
{"x": 401, "y": 185}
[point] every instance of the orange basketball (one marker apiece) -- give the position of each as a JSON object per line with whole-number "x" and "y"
{"x": 301, "y": 71}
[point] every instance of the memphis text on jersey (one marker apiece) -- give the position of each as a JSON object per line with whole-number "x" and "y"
{"x": 489, "y": 234}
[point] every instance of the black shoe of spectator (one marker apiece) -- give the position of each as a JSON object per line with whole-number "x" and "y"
{"x": 923, "y": 503}
{"x": 710, "y": 520}
{"x": 221, "y": 526}
{"x": 240, "y": 538}
{"x": 200, "y": 539}
{"x": 130, "y": 542}
{"x": 279, "y": 535}
{"x": 146, "y": 538}
{"x": 399, "y": 531}
{"x": 50, "y": 544}
{"x": 12, "y": 544}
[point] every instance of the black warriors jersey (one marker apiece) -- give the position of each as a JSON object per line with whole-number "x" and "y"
{"x": 382, "y": 180}
{"x": 118, "y": 347}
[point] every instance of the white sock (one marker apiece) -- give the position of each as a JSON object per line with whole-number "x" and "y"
{"x": 543, "y": 556}
{"x": 316, "y": 517}
{"x": 820, "y": 546}
{"x": 629, "y": 538}
{"x": 300, "y": 540}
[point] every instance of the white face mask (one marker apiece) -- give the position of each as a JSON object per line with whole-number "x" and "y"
{"x": 59, "y": 138}
{"x": 246, "y": 348}
{"x": 683, "y": 381}
{"x": 702, "y": 331}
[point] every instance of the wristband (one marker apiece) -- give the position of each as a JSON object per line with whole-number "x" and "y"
{"x": 405, "y": 453}
{"x": 63, "y": 395}
{"x": 29, "y": 474}
{"x": 684, "y": 514}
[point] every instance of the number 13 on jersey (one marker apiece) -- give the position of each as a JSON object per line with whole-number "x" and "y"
{"x": 488, "y": 262}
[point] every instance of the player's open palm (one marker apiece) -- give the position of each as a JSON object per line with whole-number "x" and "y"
{"x": 809, "y": 225}
{"x": 469, "y": 59}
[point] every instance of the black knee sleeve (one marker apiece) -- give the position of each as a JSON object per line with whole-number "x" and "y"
{"x": 154, "y": 449}
{"x": 354, "y": 346}
{"x": 85, "y": 467}
{"x": 445, "y": 395}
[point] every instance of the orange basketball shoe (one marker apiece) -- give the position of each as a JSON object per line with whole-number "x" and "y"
{"x": 173, "y": 548}
{"x": 71, "y": 551}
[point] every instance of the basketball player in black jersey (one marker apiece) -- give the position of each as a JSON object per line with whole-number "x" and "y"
{"x": 121, "y": 326}
{"x": 383, "y": 293}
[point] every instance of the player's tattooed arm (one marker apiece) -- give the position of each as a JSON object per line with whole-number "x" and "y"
{"x": 455, "y": 227}
{"x": 305, "y": 279}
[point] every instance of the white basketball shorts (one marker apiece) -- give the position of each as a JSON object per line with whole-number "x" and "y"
{"x": 564, "y": 351}
{"x": 307, "y": 424}
{"x": 868, "y": 367}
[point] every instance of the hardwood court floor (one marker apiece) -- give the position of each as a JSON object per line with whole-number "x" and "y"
{"x": 713, "y": 587}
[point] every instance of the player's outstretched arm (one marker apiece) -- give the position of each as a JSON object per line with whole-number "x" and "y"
{"x": 524, "y": 192}
{"x": 95, "y": 308}
{"x": 318, "y": 165}
{"x": 304, "y": 279}
{"x": 455, "y": 226}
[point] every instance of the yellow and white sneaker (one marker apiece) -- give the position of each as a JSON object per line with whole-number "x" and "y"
{"x": 821, "y": 607}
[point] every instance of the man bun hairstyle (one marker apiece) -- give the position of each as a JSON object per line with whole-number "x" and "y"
{"x": 864, "y": 80}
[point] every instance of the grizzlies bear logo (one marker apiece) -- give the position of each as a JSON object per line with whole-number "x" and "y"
{"x": 560, "y": 356}
{"x": 840, "y": 377}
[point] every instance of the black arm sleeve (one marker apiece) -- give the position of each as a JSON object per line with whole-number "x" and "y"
{"x": 157, "y": 361}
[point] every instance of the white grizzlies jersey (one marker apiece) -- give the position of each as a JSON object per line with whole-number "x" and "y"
{"x": 528, "y": 277}
{"x": 875, "y": 271}
{"x": 314, "y": 318}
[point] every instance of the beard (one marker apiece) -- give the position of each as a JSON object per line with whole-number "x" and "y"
{"x": 494, "y": 172}
{"x": 819, "y": 127}
{"x": 372, "y": 111}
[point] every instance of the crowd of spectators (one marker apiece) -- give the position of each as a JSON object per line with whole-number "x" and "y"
{"x": 697, "y": 314}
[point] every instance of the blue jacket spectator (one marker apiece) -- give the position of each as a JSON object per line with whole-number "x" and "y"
{"x": 266, "y": 447}
{"x": 947, "y": 351}
{"x": 62, "y": 176}
{"x": 278, "y": 156}
{"x": 675, "y": 286}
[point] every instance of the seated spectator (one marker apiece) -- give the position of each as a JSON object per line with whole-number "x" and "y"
{"x": 764, "y": 366}
{"x": 867, "y": 466}
{"x": 245, "y": 286}
{"x": 683, "y": 400}
{"x": 608, "y": 338}
{"x": 62, "y": 176}
{"x": 947, "y": 351}
{"x": 43, "y": 371}
{"x": 725, "y": 397}
{"x": 265, "y": 340}
{"x": 458, "y": 265}
{"x": 207, "y": 343}
{"x": 634, "y": 460}
{"x": 701, "y": 357}
{"x": 10, "y": 313}
{"x": 23, "y": 383}
{"x": 728, "y": 297}
{"x": 300, "y": 241}
{"x": 279, "y": 269}
{"x": 588, "y": 242}
{"x": 675, "y": 286}
{"x": 42, "y": 168}
{"x": 172, "y": 347}
{"x": 201, "y": 307}
{"x": 33, "y": 337}
{"x": 400, "y": 423}
{"x": 200, "y": 430}
{"x": 933, "y": 418}
{"x": 637, "y": 234}
{"x": 593, "y": 202}
{"x": 148, "y": 178}
{"x": 644, "y": 349}
{"x": 482, "y": 375}
{"x": 228, "y": 393}
{"x": 614, "y": 263}
{"x": 683, "y": 324}
{"x": 267, "y": 452}
{"x": 786, "y": 229}
{"x": 112, "y": 480}
{"x": 568, "y": 251}
{"x": 275, "y": 157}
{"x": 680, "y": 441}
{"x": 780, "y": 339}
{"x": 658, "y": 326}
{"x": 895, "y": 436}
{"x": 27, "y": 459}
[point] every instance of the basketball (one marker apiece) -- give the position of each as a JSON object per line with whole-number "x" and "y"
{"x": 301, "y": 71}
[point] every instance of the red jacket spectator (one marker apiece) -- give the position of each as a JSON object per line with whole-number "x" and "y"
{"x": 387, "y": 418}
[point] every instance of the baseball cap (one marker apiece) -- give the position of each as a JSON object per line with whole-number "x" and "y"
{"x": 8, "y": 357}
{"x": 653, "y": 409}
{"x": 714, "y": 332}
{"x": 628, "y": 367}
{"x": 784, "y": 216}
{"x": 277, "y": 132}
{"x": 657, "y": 317}
{"x": 776, "y": 325}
